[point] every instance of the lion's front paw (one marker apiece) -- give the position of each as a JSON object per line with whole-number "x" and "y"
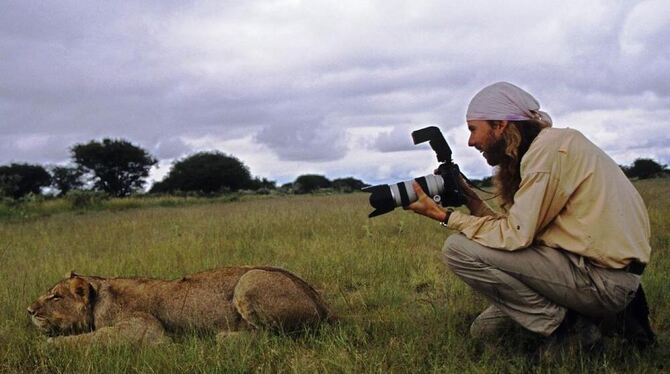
{"x": 54, "y": 341}
{"x": 61, "y": 341}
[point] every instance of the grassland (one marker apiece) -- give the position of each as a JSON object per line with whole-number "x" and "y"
{"x": 401, "y": 310}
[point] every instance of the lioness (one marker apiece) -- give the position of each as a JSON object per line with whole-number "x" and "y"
{"x": 109, "y": 310}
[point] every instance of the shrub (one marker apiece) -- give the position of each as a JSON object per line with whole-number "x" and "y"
{"x": 206, "y": 173}
{"x": 80, "y": 199}
{"x": 310, "y": 182}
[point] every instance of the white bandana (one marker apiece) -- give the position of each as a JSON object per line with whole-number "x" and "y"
{"x": 505, "y": 101}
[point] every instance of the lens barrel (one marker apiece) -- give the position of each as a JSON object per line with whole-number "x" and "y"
{"x": 386, "y": 197}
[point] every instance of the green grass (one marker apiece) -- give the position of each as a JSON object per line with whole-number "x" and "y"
{"x": 35, "y": 206}
{"x": 400, "y": 309}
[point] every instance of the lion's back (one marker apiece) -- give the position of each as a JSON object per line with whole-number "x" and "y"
{"x": 214, "y": 297}
{"x": 204, "y": 300}
{"x": 201, "y": 301}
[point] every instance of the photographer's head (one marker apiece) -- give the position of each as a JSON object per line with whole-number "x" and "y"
{"x": 487, "y": 137}
{"x": 503, "y": 120}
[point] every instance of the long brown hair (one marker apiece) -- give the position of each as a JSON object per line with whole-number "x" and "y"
{"x": 517, "y": 137}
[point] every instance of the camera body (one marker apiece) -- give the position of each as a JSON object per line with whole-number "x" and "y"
{"x": 442, "y": 186}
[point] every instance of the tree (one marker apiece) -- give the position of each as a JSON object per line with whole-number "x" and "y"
{"x": 18, "y": 180}
{"x": 206, "y": 172}
{"x": 348, "y": 184}
{"x": 262, "y": 183}
{"x": 643, "y": 168}
{"x": 310, "y": 182}
{"x": 286, "y": 187}
{"x": 66, "y": 179}
{"x": 116, "y": 166}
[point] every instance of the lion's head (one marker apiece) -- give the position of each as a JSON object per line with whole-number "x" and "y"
{"x": 65, "y": 309}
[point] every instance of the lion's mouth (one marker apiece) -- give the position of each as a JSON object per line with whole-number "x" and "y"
{"x": 43, "y": 324}
{"x": 39, "y": 321}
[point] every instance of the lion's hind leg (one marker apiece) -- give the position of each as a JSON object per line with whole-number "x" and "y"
{"x": 277, "y": 300}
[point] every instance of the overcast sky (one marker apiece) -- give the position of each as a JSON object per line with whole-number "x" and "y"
{"x": 328, "y": 87}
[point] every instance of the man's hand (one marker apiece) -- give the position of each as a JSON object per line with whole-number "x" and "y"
{"x": 426, "y": 206}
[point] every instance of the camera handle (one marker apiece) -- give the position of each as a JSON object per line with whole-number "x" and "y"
{"x": 453, "y": 194}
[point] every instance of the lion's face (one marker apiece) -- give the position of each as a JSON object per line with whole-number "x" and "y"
{"x": 65, "y": 309}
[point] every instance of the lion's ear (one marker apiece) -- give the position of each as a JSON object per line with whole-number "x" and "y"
{"x": 71, "y": 274}
{"x": 81, "y": 288}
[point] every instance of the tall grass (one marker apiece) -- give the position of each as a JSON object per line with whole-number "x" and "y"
{"x": 400, "y": 309}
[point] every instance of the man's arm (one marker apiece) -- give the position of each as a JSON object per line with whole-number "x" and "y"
{"x": 475, "y": 204}
{"x": 537, "y": 202}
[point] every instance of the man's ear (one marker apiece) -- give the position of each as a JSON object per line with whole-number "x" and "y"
{"x": 81, "y": 289}
{"x": 501, "y": 127}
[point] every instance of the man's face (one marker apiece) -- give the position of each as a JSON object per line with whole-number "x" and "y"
{"x": 488, "y": 140}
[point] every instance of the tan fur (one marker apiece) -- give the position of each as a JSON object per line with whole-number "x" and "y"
{"x": 92, "y": 309}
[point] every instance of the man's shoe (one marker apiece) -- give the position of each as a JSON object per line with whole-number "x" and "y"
{"x": 588, "y": 334}
{"x": 633, "y": 322}
{"x": 575, "y": 333}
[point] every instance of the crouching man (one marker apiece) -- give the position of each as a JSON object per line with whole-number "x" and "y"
{"x": 573, "y": 238}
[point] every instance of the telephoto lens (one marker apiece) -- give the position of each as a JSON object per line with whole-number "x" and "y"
{"x": 386, "y": 197}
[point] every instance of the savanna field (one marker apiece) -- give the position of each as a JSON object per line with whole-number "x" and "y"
{"x": 400, "y": 309}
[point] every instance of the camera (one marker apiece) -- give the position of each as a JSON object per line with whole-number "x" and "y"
{"x": 442, "y": 186}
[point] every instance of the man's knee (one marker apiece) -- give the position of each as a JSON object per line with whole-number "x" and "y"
{"x": 456, "y": 248}
{"x": 453, "y": 243}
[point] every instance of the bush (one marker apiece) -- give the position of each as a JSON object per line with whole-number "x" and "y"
{"x": 18, "y": 180}
{"x": 66, "y": 179}
{"x": 348, "y": 185}
{"x": 310, "y": 182}
{"x": 33, "y": 198}
{"x": 263, "y": 191}
{"x": 207, "y": 173}
{"x": 643, "y": 168}
{"x": 80, "y": 199}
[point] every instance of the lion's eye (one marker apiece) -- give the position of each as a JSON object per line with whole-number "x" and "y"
{"x": 54, "y": 297}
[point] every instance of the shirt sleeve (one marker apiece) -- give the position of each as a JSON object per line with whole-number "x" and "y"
{"x": 537, "y": 202}
{"x": 483, "y": 209}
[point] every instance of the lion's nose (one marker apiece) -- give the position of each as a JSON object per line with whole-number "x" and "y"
{"x": 30, "y": 311}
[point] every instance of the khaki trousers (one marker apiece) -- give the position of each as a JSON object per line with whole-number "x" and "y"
{"x": 535, "y": 286}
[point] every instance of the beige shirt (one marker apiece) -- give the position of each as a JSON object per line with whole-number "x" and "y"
{"x": 571, "y": 196}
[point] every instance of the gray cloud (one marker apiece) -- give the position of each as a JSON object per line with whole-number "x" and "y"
{"x": 297, "y": 78}
{"x": 170, "y": 148}
{"x": 398, "y": 139}
{"x": 35, "y": 148}
{"x": 312, "y": 141}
